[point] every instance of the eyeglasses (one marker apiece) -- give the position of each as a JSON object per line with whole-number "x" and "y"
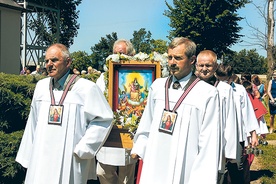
{"x": 122, "y": 52}
{"x": 177, "y": 58}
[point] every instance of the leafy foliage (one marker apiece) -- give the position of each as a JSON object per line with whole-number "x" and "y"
{"x": 247, "y": 61}
{"x": 92, "y": 77}
{"x": 81, "y": 60}
{"x": 160, "y": 46}
{"x": 211, "y": 24}
{"x": 68, "y": 21}
{"x": 10, "y": 171}
{"x": 48, "y": 34}
{"x": 142, "y": 41}
{"x": 103, "y": 49}
{"x": 16, "y": 92}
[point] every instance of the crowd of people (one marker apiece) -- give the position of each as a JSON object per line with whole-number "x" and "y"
{"x": 43, "y": 71}
{"x": 38, "y": 71}
{"x": 196, "y": 126}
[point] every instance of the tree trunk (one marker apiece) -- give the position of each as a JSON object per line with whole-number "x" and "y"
{"x": 270, "y": 38}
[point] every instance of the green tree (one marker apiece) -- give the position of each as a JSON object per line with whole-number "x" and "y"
{"x": 102, "y": 50}
{"x": 160, "y": 46}
{"x": 247, "y": 61}
{"x": 45, "y": 24}
{"x": 81, "y": 60}
{"x": 211, "y": 24}
{"x": 68, "y": 21}
{"x": 142, "y": 41}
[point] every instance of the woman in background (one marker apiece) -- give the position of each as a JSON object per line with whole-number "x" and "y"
{"x": 259, "y": 110}
{"x": 271, "y": 92}
{"x": 261, "y": 87}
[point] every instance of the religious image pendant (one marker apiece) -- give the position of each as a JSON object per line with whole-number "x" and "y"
{"x": 55, "y": 114}
{"x": 168, "y": 121}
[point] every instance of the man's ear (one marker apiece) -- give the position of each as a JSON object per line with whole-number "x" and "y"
{"x": 68, "y": 61}
{"x": 193, "y": 59}
{"x": 216, "y": 65}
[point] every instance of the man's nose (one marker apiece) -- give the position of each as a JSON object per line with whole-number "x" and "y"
{"x": 173, "y": 60}
{"x": 205, "y": 68}
{"x": 173, "y": 65}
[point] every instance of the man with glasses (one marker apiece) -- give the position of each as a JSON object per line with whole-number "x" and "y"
{"x": 188, "y": 151}
{"x": 115, "y": 165}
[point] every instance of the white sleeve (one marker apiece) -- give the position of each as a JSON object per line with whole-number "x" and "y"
{"x": 98, "y": 115}
{"x": 101, "y": 82}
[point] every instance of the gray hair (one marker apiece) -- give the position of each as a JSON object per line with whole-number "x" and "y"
{"x": 129, "y": 47}
{"x": 64, "y": 50}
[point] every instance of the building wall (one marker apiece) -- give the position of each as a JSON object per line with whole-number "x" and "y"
{"x": 10, "y": 21}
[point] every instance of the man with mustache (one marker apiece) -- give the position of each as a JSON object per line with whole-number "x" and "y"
{"x": 64, "y": 151}
{"x": 188, "y": 153}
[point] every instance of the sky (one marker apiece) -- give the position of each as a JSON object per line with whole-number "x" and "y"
{"x": 99, "y": 18}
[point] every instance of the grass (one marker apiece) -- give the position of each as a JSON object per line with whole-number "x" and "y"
{"x": 267, "y": 160}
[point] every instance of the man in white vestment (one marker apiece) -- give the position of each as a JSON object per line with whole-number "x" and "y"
{"x": 206, "y": 66}
{"x": 115, "y": 165}
{"x": 62, "y": 151}
{"x": 187, "y": 152}
{"x": 247, "y": 125}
